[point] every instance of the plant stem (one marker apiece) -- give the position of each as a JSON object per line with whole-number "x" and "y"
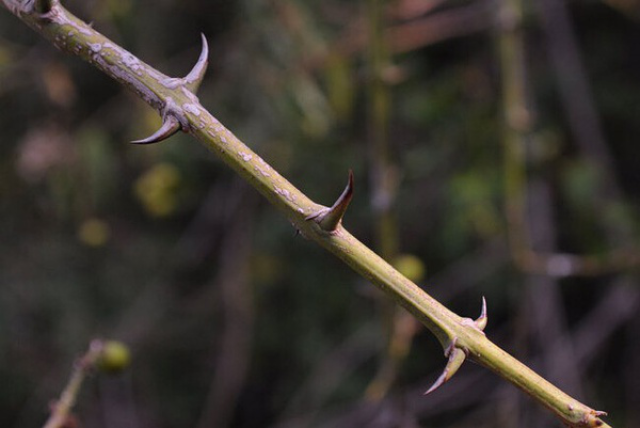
{"x": 383, "y": 183}
{"x": 384, "y": 186}
{"x": 517, "y": 130}
{"x": 517, "y": 125}
{"x": 174, "y": 99}
{"x": 62, "y": 408}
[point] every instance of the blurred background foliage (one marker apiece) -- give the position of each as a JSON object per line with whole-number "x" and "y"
{"x": 233, "y": 320}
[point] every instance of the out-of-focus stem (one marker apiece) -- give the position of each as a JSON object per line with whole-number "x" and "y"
{"x": 399, "y": 326}
{"x": 517, "y": 124}
{"x": 384, "y": 227}
{"x": 383, "y": 184}
{"x": 62, "y": 408}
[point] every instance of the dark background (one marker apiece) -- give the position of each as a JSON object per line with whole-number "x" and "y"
{"x": 232, "y": 319}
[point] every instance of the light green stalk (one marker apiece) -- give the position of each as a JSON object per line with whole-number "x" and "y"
{"x": 175, "y": 101}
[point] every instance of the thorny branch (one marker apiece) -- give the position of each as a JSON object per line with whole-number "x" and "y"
{"x": 174, "y": 99}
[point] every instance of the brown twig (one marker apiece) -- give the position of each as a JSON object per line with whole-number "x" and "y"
{"x": 61, "y": 409}
{"x": 416, "y": 34}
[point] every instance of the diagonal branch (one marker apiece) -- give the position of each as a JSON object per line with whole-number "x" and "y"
{"x": 61, "y": 410}
{"x": 173, "y": 98}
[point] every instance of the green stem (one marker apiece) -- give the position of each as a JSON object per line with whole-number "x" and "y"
{"x": 517, "y": 129}
{"x": 74, "y": 36}
{"x": 384, "y": 185}
{"x": 517, "y": 124}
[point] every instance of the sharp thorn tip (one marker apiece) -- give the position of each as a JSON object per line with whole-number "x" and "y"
{"x": 437, "y": 384}
{"x": 196, "y": 75}
{"x": 330, "y": 219}
{"x": 168, "y": 128}
{"x": 456, "y": 358}
{"x": 482, "y": 320}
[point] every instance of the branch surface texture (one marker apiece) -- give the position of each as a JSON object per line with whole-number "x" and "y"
{"x": 180, "y": 109}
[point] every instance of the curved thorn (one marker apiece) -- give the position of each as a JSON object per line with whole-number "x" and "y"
{"x": 330, "y": 218}
{"x": 456, "y": 358}
{"x": 168, "y": 128}
{"x": 482, "y": 320}
{"x": 195, "y": 76}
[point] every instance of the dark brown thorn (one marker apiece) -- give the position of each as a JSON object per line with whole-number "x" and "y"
{"x": 456, "y": 358}
{"x": 196, "y": 75}
{"x": 482, "y": 320}
{"x": 169, "y": 127}
{"x": 330, "y": 218}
